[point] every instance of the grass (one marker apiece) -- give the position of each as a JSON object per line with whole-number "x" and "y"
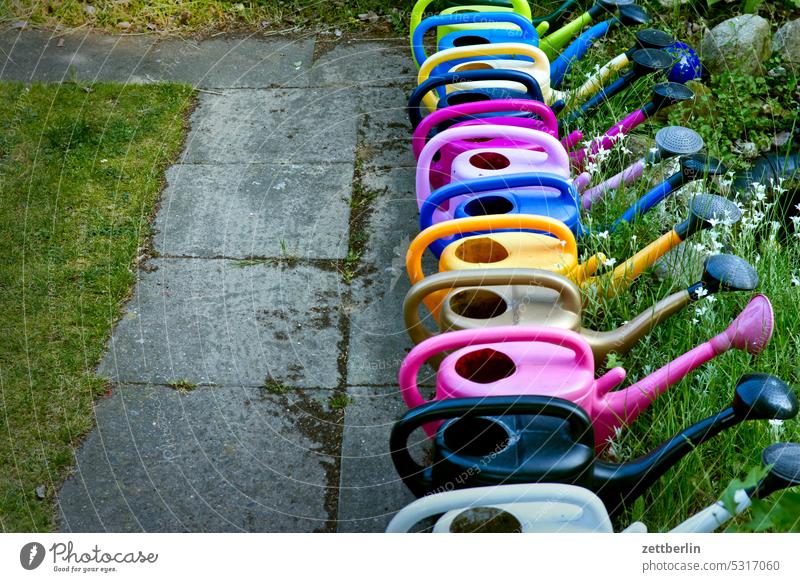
{"x": 80, "y": 173}
{"x": 730, "y": 110}
{"x": 204, "y": 15}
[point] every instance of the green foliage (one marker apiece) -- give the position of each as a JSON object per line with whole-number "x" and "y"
{"x": 80, "y": 174}
{"x": 741, "y": 108}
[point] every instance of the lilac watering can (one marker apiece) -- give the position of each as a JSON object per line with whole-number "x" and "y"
{"x": 527, "y": 150}
{"x": 547, "y": 361}
{"x": 538, "y": 116}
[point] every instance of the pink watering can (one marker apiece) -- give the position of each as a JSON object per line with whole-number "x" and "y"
{"x": 538, "y": 116}
{"x": 527, "y": 150}
{"x": 547, "y": 361}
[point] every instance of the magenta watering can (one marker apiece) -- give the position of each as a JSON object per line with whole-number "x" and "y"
{"x": 547, "y": 361}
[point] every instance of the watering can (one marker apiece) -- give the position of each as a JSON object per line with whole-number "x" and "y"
{"x": 561, "y": 508}
{"x": 462, "y": 97}
{"x": 519, "y": 7}
{"x": 558, "y": 39}
{"x": 541, "y": 194}
{"x": 645, "y": 62}
{"x": 525, "y": 33}
{"x": 524, "y": 58}
{"x": 498, "y": 297}
{"x": 490, "y": 150}
{"x": 649, "y": 38}
{"x": 693, "y": 167}
{"x": 559, "y": 363}
{"x": 671, "y": 141}
{"x": 560, "y": 66}
{"x": 538, "y": 117}
{"x": 663, "y": 95}
{"x": 540, "y": 439}
{"x": 557, "y": 252}
{"x": 454, "y": 6}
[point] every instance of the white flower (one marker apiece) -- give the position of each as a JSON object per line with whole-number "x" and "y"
{"x": 702, "y": 292}
{"x": 603, "y": 234}
{"x": 609, "y": 262}
{"x": 795, "y": 280}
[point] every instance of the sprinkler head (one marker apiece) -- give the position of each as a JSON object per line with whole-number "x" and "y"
{"x": 764, "y": 397}
{"x": 652, "y": 38}
{"x": 647, "y": 61}
{"x": 700, "y": 166}
{"x": 675, "y": 140}
{"x": 633, "y": 15}
{"x": 728, "y": 273}
{"x": 705, "y": 210}
{"x": 783, "y": 460}
{"x": 667, "y": 94}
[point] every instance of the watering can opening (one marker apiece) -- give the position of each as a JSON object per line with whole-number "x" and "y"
{"x": 476, "y": 436}
{"x": 478, "y": 303}
{"x": 485, "y": 366}
{"x": 485, "y": 520}
{"x": 489, "y": 161}
{"x": 481, "y": 250}
{"x": 488, "y": 205}
{"x": 470, "y": 40}
{"x": 463, "y": 97}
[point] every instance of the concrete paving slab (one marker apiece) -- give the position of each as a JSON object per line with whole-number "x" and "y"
{"x": 363, "y": 63}
{"x": 371, "y": 492}
{"x": 215, "y": 459}
{"x": 274, "y": 126}
{"x": 215, "y": 63}
{"x": 263, "y": 210}
{"x": 378, "y": 340}
{"x": 250, "y": 62}
{"x": 223, "y": 322}
{"x": 28, "y": 55}
{"x": 385, "y": 132}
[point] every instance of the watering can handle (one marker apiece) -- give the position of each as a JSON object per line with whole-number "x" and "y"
{"x": 544, "y": 493}
{"x": 556, "y": 154}
{"x": 566, "y": 190}
{"x": 568, "y": 292}
{"x": 520, "y": 7}
{"x": 531, "y": 85}
{"x": 454, "y": 340}
{"x": 417, "y": 37}
{"x": 478, "y": 223}
{"x": 540, "y": 61}
{"x": 479, "y": 107}
{"x": 414, "y": 475}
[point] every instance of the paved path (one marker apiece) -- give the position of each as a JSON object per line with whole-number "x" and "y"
{"x": 246, "y": 296}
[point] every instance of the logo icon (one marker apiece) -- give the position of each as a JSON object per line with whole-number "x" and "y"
{"x": 31, "y": 555}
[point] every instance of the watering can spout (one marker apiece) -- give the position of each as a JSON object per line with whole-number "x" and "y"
{"x": 622, "y": 339}
{"x": 750, "y": 331}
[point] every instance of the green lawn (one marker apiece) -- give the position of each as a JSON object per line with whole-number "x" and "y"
{"x": 80, "y": 173}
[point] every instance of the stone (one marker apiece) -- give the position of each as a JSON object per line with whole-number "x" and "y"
{"x": 224, "y": 322}
{"x": 742, "y": 43}
{"x": 221, "y": 458}
{"x": 278, "y": 126}
{"x": 370, "y": 490}
{"x": 267, "y": 210}
{"x": 786, "y": 42}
